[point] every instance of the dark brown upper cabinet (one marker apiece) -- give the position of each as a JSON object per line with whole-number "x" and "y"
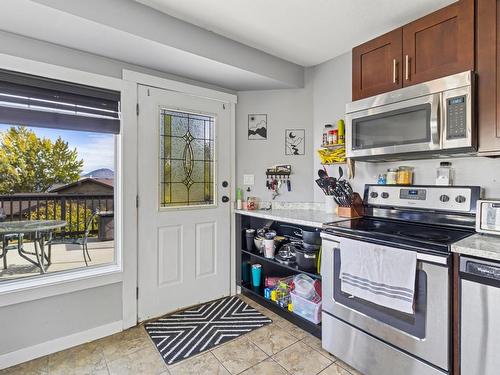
{"x": 488, "y": 76}
{"x": 376, "y": 65}
{"x": 439, "y": 44}
{"x": 434, "y": 46}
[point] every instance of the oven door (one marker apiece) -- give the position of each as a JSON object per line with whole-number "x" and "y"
{"x": 404, "y": 127}
{"x": 424, "y": 334}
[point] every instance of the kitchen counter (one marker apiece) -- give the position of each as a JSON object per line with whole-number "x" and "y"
{"x": 307, "y": 217}
{"x": 479, "y": 245}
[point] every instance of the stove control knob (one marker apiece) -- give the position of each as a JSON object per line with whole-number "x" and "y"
{"x": 373, "y": 194}
{"x": 460, "y": 199}
{"x": 385, "y": 195}
{"x": 444, "y": 198}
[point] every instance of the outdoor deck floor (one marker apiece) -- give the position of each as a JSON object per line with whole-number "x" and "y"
{"x": 64, "y": 257}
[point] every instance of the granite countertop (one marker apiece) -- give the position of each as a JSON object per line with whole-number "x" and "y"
{"x": 307, "y": 217}
{"x": 479, "y": 245}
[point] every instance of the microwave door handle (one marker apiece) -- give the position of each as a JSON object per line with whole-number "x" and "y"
{"x": 436, "y": 120}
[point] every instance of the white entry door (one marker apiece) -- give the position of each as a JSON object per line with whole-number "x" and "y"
{"x": 184, "y": 210}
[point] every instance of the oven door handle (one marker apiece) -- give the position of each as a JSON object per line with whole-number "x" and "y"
{"x": 424, "y": 257}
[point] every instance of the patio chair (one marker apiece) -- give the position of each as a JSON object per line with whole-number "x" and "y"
{"x": 5, "y": 239}
{"x": 82, "y": 241}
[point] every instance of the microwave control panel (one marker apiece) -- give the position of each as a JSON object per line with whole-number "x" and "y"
{"x": 456, "y": 117}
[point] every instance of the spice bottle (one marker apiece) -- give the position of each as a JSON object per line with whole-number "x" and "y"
{"x": 392, "y": 176}
{"x": 327, "y": 128}
{"x": 444, "y": 175}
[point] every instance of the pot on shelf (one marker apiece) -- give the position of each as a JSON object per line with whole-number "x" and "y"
{"x": 306, "y": 260}
{"x": 311, "y": 237}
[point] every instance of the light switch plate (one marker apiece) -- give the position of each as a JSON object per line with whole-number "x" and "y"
{"x": 249, "y": 179}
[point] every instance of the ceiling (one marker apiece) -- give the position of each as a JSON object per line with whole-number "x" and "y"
{"x": 305, "y": 32}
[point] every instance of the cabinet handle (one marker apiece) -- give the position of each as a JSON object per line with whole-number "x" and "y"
{"x": 394, "y": 71}
{"x": 407, "y": 70}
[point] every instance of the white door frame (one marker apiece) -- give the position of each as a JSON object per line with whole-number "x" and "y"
{"x": 131, "y": 81}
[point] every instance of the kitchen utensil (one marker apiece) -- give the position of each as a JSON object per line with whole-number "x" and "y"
{"x": 250, "y": 236}
{"x": 320, "y": 182}
{"x": 341, "y": 173}
{"x": 306, "y": 260}
{"x": 256, "y": 274}
{"x": 269, "y": 248}
{"x": 322, "y": 173}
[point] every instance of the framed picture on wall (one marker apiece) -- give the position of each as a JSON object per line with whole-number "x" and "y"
{"x": 295, "y": 142}
{"x": 257, "y": 127}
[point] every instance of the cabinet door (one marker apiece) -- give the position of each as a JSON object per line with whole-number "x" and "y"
{"x": 376, "y": 65}
{"x": 488, "y": 75}
{"x": 439, "y": 44}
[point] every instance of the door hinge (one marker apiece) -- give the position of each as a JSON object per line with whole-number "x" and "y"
{"x": 137, "y": 293}
{"x": 137, "y": 201}
{"x": 223, "y": 106}
{"x": 137, "y": 109}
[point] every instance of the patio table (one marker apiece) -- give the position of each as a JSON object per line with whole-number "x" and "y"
{"x": 39, "y": 228}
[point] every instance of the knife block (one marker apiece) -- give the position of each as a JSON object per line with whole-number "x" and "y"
{"x": 354, "y": 211}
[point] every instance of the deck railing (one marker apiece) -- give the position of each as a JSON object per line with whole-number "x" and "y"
{"x": 75, "y": 209}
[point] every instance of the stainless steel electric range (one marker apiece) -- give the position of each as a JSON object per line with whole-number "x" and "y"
{"x": 378, "y": 340}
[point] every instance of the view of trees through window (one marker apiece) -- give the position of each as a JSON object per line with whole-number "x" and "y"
{"x": 63, "y": 176}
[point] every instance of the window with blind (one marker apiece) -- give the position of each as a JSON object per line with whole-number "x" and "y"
{"x": 57, "y": 176}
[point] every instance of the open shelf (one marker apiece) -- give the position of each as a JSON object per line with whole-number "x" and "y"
{"x": 336, "y": 163}
{"x": 258, "y": 296}
{"x": 334, "y": 146}
{"x": 273, "y": 261}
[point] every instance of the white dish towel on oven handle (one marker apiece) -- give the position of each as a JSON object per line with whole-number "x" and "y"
{"x": 379, "y": 274}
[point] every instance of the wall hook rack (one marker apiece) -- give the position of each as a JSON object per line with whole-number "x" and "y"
{"x": 276, "y": 177}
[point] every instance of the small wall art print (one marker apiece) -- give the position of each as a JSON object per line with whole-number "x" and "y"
{"x": 257, "y": 127}
{"x": 295, "y": 141}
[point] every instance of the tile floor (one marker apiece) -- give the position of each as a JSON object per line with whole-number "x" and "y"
{"x": 280, "y": 348}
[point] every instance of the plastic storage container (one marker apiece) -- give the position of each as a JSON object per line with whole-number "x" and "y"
{"x": 304, "y": 286}
{"x": 307, "y": 309}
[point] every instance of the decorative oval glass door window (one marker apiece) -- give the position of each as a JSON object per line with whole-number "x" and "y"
{"x": 187, "y": 159}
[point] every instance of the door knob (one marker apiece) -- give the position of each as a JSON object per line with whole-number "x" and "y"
{"x": 225, "y": 199}
{"x": 225, "y": 184}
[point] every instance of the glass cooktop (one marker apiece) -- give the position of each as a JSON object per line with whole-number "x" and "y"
{"x": 394, "y": 232}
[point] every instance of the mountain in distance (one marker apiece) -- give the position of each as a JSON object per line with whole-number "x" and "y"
{"x": 101, "y": 173}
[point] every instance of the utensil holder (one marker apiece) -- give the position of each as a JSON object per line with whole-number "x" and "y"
{"x": 330, "y": 205}
{"x": 355, "y": 210}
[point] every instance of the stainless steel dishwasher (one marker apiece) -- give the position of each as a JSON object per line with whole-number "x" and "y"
{"x": 479, "y": 317}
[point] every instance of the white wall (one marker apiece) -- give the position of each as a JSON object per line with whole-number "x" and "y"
{"x": 285, "y": 109}
{"x": 68, "y": 317}
{"x": 332, "y": 90}
{"x": 35, "y": 322}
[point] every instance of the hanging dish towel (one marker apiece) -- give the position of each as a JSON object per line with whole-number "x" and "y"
{"x": 379, "y": 274}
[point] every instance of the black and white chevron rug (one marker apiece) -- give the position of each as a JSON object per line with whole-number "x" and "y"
{"x": 186, "y": 333}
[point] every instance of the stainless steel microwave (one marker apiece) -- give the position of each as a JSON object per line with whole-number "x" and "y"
{"x": 426, "y": 120}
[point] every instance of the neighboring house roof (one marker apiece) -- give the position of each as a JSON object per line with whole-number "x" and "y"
{"x": 107, "y": 182}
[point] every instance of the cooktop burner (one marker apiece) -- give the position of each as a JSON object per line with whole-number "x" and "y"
{"x": 399, "y": 232}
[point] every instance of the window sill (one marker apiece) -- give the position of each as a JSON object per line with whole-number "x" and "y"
{"x": 29, "y": 289}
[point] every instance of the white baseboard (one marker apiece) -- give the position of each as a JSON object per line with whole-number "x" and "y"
{"x": 56, "y": 345}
